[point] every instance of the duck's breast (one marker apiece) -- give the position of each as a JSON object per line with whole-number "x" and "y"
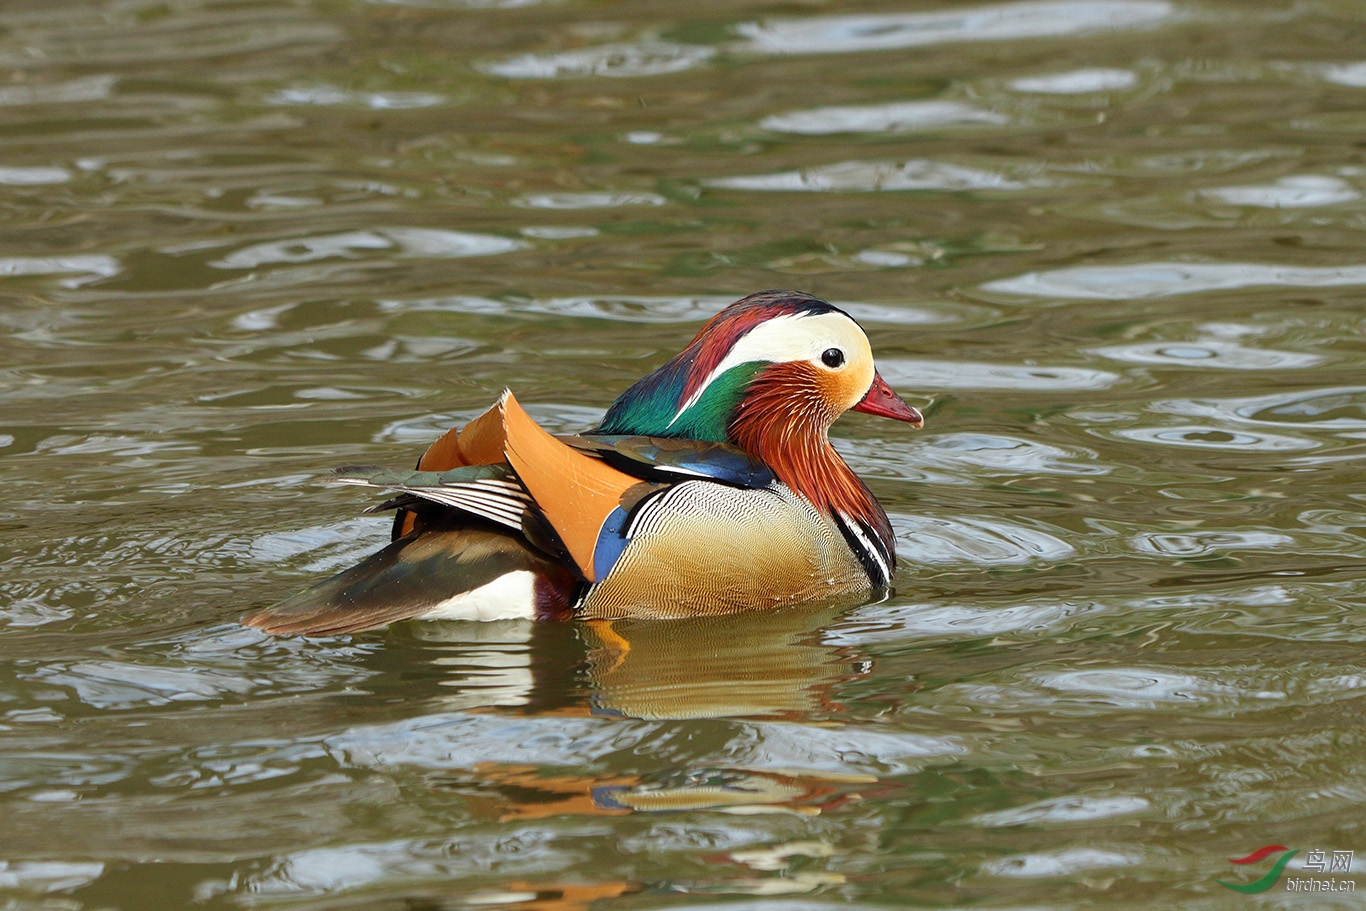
{"x": 704, "y": 548}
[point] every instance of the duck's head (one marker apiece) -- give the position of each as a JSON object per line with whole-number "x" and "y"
{"x": 781, "y": 359}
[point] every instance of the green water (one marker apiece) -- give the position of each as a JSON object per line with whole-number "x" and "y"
{"x": 1113, "y": 249}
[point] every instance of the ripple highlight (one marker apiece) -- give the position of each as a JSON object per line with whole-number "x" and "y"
{"x": 875, "y": 176}
{"x": 1077, "y": 82}
{"x": 645, "y": 309}
{"x": 90, "y": 266}
{"x": 924, "y": 540}
{"x": 1003, "y": 22}
{"x": 895, "y": 117}
{"x": 605, "y": 200}
{"x": 420, "y": 242}
{"x": 1294, "y": 192}
{"x": 1138, "y": 281}
{"x": 929, "y": 374}
{"x": 1208, "y": 354}
{"x": 645, "y": 58}
{"x": 1207, "y": 437}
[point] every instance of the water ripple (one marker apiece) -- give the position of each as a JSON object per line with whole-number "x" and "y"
{"x": 526, "y": 853}
{"x": 458, "y": 741}
{"x": 1349, "y": 74}
{"x": 558, "y": 232}
{"x": 843, "y": 748}
{"x": 647, "y": 309}
{"x": 48, "y": 875}
{"x": 327, "y": 95}
{"x": 1064, "y": 810}
{"x": 330, "y": 546}
{"x": 964, "y": 458}
{"x": 1093, "y": 635}
{"x": 53, "y": 770}
{"x": 1334, "y": 408}
{"x": 1208, "y": 353}
{"x": 1293, "y": 192}
{"x": 466, "y": 4}
{"x": 644, "y": 58}
{"x": 1133, "y": 687}
{"x": 91, "y": 267}
{"x": 896, "y": 623}
{"x": 557, "y": 418}
{"x": 929, "y": 540}
{"x": 1137, "y": 281}
{"x": 88, "y": 88}
{"x": 17, "y": 612}
{"x": 1206, "y": 543}
{"x": 875, "y": 176}
{"x": 894, "y": 117}
{"x": 989, "y": 454}
{"x": 603, "y": 200}
{"x": 1077, "y": 82}
{"x": 118, "y": 684}
{"x": 33, "y": 176}
{"x": 1002, "y": 22}
{"x": 223, "y": 664}
{"x": 1067, "y": 862}
{"x": 120, "y": 446}
{"x": 408, "y": 241}
{"x": 643, "y": 309}
{"x": 927, "y": 374}
{"x": 101, "y": 41}
{"x": 1207, "y": 437}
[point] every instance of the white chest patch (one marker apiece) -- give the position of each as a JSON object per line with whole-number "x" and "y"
{"x": 509, "y": 597}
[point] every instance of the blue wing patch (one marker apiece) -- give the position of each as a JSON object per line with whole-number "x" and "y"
{"x": 612, "y": 540}
{"x": 669, "y": 459}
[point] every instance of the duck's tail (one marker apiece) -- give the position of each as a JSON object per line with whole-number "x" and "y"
{"x": 469, "y": 573}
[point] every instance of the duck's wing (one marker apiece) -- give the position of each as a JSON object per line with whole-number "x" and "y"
{"x": 480, "y": 442}
{"x": 489, "y": 492}
{"x": 444, "y": 571}
{"x": 585, "y": 501}
{"x": 564, "y": 500}
{"x": 667, "y": 459}
{"x": 514, "y": 532}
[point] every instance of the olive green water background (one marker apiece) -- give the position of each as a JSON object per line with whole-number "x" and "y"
{"x": 1113, "y": 248}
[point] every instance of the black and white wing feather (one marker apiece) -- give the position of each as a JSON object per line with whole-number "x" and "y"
{"x": 490, "y": 492}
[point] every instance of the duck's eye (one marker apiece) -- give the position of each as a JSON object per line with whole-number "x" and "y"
{"x": 832, "y": 357}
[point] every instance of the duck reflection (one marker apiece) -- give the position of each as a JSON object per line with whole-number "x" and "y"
{"x": 529, "y": 896}
{"x": 509, "y": 792}
{"x": 771, "y": 664}
{"x": 768, "y": 665}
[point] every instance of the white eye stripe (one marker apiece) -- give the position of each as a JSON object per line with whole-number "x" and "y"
{"x": 791, "y": 337}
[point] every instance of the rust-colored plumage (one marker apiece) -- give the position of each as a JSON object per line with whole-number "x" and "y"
{"x": 783, "y": 422}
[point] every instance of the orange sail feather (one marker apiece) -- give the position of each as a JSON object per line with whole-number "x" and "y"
{"x": 576, "y": 492}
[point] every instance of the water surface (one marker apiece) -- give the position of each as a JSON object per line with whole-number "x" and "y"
{"x": 1113, "y": 248}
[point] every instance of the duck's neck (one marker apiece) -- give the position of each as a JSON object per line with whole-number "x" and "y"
{"x": 782, "y": 421}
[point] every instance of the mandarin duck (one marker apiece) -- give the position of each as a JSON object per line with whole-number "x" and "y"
{"x": 710, "y": 486}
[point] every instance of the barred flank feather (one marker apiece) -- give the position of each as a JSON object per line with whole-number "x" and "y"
{"x": 489, "y": 492}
